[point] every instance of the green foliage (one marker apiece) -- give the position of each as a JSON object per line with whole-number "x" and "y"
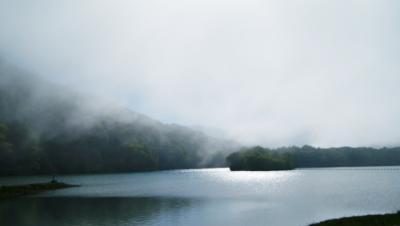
{"x": 107, "y": 147}
{"x": 115, "y": 149}
{"x": 7, "y": 155}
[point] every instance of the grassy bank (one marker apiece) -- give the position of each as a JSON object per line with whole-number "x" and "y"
{"x": 30, "y": 189}
{"x": 392, "y": 219}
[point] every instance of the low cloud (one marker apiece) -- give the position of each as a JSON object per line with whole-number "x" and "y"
{"x": 273, "y": 73}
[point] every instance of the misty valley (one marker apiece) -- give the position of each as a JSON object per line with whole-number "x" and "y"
{"x": 199, "y": 113}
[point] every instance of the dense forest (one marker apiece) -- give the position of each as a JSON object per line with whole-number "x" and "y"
{"x": 259, "y": 158}
{"x": 48, "y": 129}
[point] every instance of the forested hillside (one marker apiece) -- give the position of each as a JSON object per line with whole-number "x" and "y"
{"x": 45, "y": 128}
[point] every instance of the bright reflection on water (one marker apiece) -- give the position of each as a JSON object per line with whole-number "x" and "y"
{"x": 208, "y": 197}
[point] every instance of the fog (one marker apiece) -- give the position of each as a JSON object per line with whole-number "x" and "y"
{"x": 274, "y": 73}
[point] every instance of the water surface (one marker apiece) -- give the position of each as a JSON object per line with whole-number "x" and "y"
{"x": 208, "y": 197}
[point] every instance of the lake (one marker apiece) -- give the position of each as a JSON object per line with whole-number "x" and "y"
{"x": 207, "y": 197}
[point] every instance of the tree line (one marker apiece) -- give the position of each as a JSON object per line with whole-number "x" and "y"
{"x": 103, "y": 148}
{"x": 286, "y": 158}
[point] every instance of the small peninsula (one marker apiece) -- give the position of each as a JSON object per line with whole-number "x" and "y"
{"x": 14, "y": 191}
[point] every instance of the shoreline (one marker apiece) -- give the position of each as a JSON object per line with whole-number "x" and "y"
{"x": 388, "y": 219}
{"x": 14, "y": 191}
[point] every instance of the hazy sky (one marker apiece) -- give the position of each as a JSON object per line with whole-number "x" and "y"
{"x": 274, "y": 72}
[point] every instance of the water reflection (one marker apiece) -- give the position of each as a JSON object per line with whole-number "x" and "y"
{"x": 89, "y": 211}
{"x": 211, "y": 197}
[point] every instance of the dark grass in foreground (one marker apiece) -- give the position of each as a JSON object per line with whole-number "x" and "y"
{"x": 392, "y": 219}
{"x": 30, "y": 189}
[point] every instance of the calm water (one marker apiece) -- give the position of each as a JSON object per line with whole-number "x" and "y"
{"x": 211, "y": 197}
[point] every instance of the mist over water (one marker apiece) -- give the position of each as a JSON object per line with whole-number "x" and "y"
{"x": 274, "y": 73}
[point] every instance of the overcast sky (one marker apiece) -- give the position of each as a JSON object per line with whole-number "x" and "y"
{"x": 275, "y": 72}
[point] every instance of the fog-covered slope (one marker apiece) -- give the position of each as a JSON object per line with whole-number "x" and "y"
{"x": 46, "y": 128}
